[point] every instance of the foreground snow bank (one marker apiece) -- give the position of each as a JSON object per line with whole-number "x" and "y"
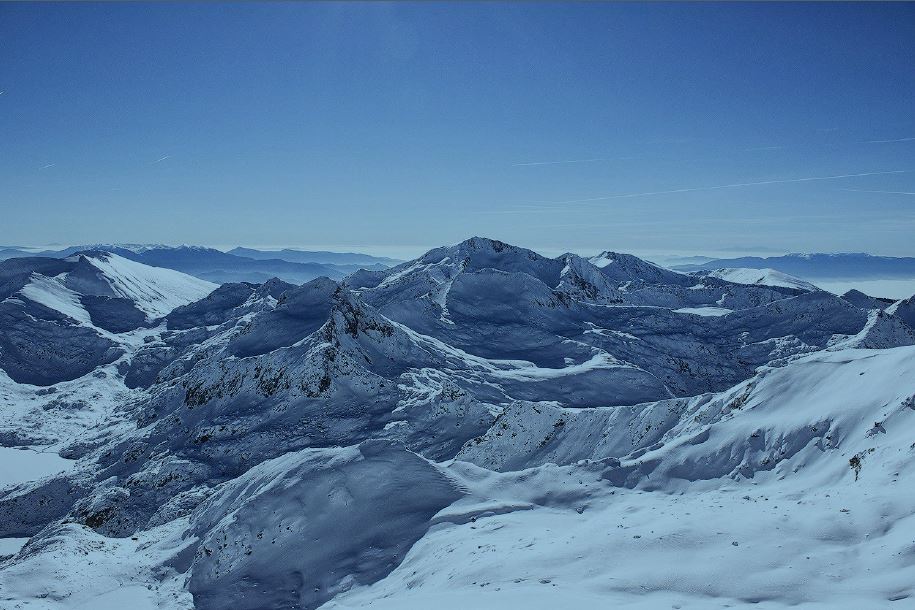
{"x": 296, "y": 530}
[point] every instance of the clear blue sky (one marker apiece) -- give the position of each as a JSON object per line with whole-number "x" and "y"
{"x": 404, "y": 126}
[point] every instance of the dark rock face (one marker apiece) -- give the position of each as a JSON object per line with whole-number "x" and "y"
{"x": 114, "y": 314}
{"x": 905, "y": 311}
{"x": 299, "y": 312}
{"x": 23, "y": 512}
{"x": 40, "y": 346}
{"x": 144, "y": 367}
{"x": 59, "y": 317}
{"x": 86, "y": 279}
{"x": 859, "y": 299}
{"x": 15, "y": 272}
{"x": 215, "y": 308}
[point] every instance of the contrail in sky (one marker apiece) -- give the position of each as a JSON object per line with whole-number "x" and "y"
{"x": 162, "y": 159}
{"x": 571, "y": 161}
{"x": 880, "y": 192}
{"x": 729, "y": 186}
{"x": 890, "y": 141}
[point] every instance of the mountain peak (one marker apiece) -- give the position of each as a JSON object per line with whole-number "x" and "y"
{"x": 488, "y": 245}
{"x": 628, "y": 267}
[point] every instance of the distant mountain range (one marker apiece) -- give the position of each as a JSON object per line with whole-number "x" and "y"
{"x": 817, "y": 266}
{"x": 323, "y": 257}
{"x": 242, "y": 264}
{"x": 237, "y": 265}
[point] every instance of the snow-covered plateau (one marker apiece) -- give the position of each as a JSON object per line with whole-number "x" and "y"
{"x": 482, "y": 427}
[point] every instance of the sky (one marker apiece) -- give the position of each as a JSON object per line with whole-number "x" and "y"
{"x": 393, "y": 128}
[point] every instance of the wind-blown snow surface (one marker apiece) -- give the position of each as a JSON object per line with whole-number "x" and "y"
{"x": 481, "y": 427}
{"x": 155, "y": 290}
{"x": 26, "y": 464}
{"x": 765, "y": 277}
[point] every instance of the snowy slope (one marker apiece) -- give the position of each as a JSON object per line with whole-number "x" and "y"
{"x": 154, "y": 290}
{"x": 764, "y": 277}
{"x": 904, "y": 309}
{"x": 820, "y": 265}
{"x": 626, "y": 267}
{"x": 62, "y": 318}
{"x": 53, "y": 294}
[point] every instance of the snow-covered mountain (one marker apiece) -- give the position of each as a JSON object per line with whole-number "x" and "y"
{"x": 318, "y": 256}
{"x": 62, "y": 318}
{"x": 763, "y": 277}
{"x": 818, "y": 265}
{"x": 480, "y": 427}
{"x": 238, "y": 265}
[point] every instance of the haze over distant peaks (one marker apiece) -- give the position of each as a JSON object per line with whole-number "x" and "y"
{"x": 818, "y": 265}
{"x": 240, "y": 264}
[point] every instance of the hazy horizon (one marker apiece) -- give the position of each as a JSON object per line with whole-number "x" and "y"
{"x": 635, "y": 127}
{"x": 407, "y": 252}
